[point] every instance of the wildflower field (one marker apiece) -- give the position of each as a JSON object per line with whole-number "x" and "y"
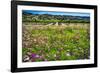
{"x": 55, "y": 42}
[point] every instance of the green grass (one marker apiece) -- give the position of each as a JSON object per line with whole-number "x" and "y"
{"x": 57, "y": 42}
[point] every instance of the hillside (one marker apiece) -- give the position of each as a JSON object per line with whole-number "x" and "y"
{"x": 29, "y": 17}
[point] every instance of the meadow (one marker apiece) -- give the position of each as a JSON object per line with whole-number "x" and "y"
{"x": 55, "y": 42}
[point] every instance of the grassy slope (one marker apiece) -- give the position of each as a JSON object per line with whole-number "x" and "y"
{"x": 69, "y": 42}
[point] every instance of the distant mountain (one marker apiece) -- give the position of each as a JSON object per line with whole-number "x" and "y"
{"x": 26, "y": 13}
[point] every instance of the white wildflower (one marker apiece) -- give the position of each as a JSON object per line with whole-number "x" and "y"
{"x": 68, "y": 54}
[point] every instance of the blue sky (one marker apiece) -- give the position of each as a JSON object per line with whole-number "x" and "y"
{"x": 58, "y": 13}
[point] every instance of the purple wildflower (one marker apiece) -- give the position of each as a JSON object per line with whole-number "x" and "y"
{"x": 34, "y": 55}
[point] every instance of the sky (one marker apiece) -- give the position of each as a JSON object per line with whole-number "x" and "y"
{"x": 58, "y": 13}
